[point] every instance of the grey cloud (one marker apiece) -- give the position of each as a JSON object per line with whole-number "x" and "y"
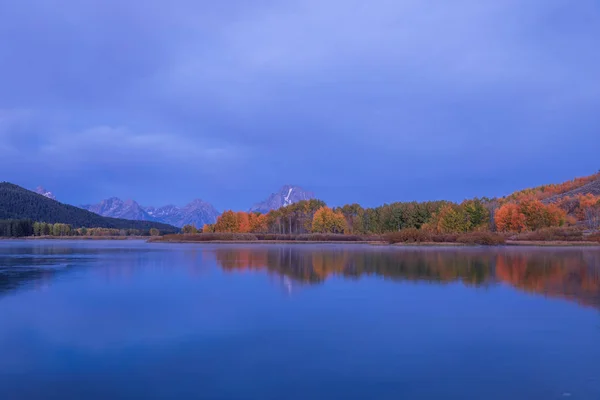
{"x": 249, "y": 95}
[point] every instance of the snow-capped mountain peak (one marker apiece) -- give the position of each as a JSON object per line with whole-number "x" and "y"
{"x": 46, "y": 193}
{"x": 286, "y": 196}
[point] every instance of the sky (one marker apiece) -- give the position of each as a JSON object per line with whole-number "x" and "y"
{"x": 358, "y": 101}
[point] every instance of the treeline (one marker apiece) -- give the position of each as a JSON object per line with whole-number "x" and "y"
{"x": 313, "y": 216}
{"x": 15, "y": 228}
{"x": 524, "y": 211}
{"x": 26, "y": 228}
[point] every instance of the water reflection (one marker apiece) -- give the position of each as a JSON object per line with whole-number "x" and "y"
{"x": 573, "y": 274}
{"x": 570, "y": 273}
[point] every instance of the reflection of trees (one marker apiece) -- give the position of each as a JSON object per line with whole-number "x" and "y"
{"x": 316, "y": 265}
{"x": 571, "y": 273}
{"x": 567, "y": 274}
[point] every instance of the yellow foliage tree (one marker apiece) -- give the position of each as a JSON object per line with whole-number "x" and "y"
{"x": 326, "y": 220}
{"x": 258, "y": 223}
{"x": 227, "y": 222}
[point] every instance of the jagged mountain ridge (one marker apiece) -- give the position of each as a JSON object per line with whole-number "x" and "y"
{"x": 117, "y": 208}
{"x": 196, "y": 213}
{"x": 288, "y": 194}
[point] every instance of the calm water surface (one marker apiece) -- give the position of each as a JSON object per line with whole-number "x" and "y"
{"x": 126, "y": 320}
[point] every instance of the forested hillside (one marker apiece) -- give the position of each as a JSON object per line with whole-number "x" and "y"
{"x": 17, "y": 203}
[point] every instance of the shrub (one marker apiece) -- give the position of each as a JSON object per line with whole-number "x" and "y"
{"x": 208, "y": 237}
{"x": 228, "y": 236}
{"x": 571, "y": 234}
{"x": 408, "y": 235}
{"x": 481, "y": 238}
{"x": 444, "y": 238}
{"x": 594, "y": 237}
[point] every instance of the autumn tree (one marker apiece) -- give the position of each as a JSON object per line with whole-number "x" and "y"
{"x": 154, "y": 232}
{"x": 243, "y": 222}
{"x": 258, "y": 223}
{"x": 227, "y": 222}
{"x": 452, "y": 219}
{"x": 477, "y": 213}
{"x": 591, "y": 211}
{"x": 54, "y": 229}
{"x": 189, "y": 229}
{"x": 539, "y": 215}
{"x": 326, "y": 220}
{"x": 547, "y": 191}
{"x": 509, "y": 218}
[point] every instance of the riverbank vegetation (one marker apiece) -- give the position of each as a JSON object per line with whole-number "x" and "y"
{"x": 26, "y": 228}
{"x": 266, "y": 237}
{"x": 558, "y": 212}
{"x": 566, "y": 212}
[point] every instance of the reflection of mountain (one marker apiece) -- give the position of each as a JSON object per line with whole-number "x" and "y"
{"x": 572, "y": 274}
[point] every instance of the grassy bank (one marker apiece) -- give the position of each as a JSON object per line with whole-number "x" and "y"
{"x": 265, "y": 238}
{"x": 401, "y": 238}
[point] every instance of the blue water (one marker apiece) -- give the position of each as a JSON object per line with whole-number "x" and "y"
{"x": 129, "y": 320}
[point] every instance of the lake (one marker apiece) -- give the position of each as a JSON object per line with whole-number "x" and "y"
{"x": 127, "y": 319}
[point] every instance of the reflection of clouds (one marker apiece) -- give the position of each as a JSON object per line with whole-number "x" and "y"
{"x": 99, "y": 316}
{"x": 130, "y": 295}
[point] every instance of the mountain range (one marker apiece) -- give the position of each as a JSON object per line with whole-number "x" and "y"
{"x": 19, "y": 203}
{"x": 196, "y": 213}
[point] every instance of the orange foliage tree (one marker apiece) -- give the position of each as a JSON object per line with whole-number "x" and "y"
{"x": 539, "y": 215}
{"x": 546, "y": 191}
{"x": 243, "y": 222}
{"x": 509, "y": 218}
{"x": 530, "y": 214}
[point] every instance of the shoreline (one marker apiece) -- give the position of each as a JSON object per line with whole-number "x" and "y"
{"x": 376, "y": 243}
{"x": 509, "y": 243}
{"x": 77, "y": 238}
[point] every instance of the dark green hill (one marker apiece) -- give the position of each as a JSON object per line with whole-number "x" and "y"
{"x": 19, "y": 203}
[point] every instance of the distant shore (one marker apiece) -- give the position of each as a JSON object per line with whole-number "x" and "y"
{"x": 76, "y": 238}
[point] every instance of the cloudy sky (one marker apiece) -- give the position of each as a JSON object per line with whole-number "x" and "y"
{"x": 367, "y": 101}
